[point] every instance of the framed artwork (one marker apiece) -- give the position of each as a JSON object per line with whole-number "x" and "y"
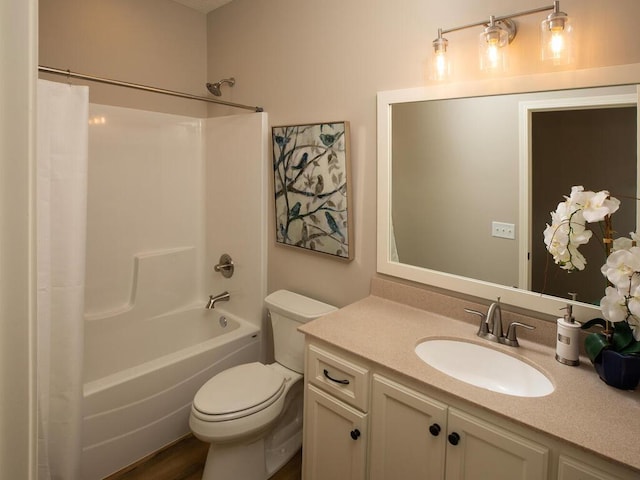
{"x": 311, "y": 168}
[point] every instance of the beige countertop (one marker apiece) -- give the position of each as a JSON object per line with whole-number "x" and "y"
{"x": 582, "y": 410}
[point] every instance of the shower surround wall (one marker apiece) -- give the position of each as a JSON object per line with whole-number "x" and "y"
{"x": 167, "y": 195}
{"x": 145, "y": 194}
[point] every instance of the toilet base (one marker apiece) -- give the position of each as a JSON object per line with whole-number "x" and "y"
{"x": 229, "y": 462}
{"x": 264, "y": 454}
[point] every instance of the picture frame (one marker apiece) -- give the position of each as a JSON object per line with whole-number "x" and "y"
{"x": 312, "y": 188}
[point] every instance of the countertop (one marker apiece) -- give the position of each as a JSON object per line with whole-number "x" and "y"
{"x": 582, "y": 410}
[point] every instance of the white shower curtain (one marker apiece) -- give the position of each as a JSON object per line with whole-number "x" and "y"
{"x": 61, "y": 232}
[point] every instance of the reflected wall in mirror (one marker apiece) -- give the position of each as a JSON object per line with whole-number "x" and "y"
{"x": 455, "y": 170}
{"x": 452, "y": 163}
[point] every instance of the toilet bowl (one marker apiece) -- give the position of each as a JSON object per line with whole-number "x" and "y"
{"x": 251, "y": 414}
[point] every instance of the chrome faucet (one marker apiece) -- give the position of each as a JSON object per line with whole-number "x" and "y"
{"x": 494, "y": 321}
{"x": 213, "y": 299}
{"x": 491, "y": 325}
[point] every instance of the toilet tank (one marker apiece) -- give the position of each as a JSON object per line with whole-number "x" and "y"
{"x": 288, "y": 310}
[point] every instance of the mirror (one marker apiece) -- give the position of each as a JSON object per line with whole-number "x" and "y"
{"x": 462, "y": 166}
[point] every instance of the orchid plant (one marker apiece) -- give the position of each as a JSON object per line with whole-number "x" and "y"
{"x": 621, "y": 304}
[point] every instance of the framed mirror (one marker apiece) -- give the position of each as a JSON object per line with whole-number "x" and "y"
{"x": 467, "y": 172}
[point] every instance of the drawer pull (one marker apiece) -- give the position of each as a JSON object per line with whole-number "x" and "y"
{"x": 454, "y": 438}
{"x": 434, "y": 429}
{"x": 341, "y": 382}
{"x": 355, "y": 434}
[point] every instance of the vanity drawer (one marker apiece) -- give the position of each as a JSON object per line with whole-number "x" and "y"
{"x": 342, "y": 378}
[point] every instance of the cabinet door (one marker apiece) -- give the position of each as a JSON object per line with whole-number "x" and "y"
{"x": 478, "y": 450}
{"x": 572, "y": 469}
{"x": 408, "y": 432}
{"x": 335, "y": 438}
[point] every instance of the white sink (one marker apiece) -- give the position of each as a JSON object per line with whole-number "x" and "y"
{"x": 484, "y": 367}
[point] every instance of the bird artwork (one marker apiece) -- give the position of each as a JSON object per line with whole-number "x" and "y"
{"x": 281, "y": 141}
{"x": 319, "y": 185}
{"x": 327, "y": 139}
{"x": 310, "y": 166}
{"x": 302, "y": 163}
{"x": 333, "y": 225}
{"x": 295, "y": 210}
{"x": 283, "y": 233}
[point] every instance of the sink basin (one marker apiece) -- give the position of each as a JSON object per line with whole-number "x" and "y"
{"x": 484, "y": 367}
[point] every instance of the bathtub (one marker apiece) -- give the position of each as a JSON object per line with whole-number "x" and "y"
{"x": 141, "y": 376}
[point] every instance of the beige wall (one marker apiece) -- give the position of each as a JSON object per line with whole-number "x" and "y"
{"x": 17, "y": 331}
{"x": 152, "y": 42}
{"x": 305, "y": 62}
{"x": 318, "y": 61}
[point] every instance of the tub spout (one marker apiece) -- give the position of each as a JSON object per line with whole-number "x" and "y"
{"x": 213, "y": 299}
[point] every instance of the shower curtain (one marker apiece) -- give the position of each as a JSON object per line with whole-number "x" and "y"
{"x": 62, "y": 143}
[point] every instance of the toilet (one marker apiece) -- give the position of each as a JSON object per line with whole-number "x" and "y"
{"x": 251, "y": 414}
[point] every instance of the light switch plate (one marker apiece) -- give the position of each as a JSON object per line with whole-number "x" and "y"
{"x": 503, "y": 230}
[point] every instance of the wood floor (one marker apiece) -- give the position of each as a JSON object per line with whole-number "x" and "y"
{"x": 184, "y": 460}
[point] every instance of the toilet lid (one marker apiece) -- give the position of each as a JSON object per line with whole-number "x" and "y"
{"x": 238, "y": 389}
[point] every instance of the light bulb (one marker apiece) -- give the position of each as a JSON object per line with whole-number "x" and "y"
{"x": 556, "y": 34}
{"x": 493, "y": 44}
{"x": 492, "y": 56}
{"x": 556, "y": 43}
{"x": 440, "y": 66}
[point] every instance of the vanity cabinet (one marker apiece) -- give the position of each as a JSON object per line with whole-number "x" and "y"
{"x": 415, "y": 436}
{"x": 363, "y": 422}
{"x": 335, "y": 417}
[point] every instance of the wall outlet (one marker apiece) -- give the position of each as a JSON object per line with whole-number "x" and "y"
{"x": 503, "y": 230}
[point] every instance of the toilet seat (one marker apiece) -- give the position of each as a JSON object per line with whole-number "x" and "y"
{"x": 238, "y": 392}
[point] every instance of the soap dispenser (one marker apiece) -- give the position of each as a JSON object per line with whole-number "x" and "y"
{"x": 568, "y": 337}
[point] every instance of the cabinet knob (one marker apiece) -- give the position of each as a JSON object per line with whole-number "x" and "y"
{"x": 355, "y": 434}
{"x": 453, "y": 438}
{"x": 434, "y": 429}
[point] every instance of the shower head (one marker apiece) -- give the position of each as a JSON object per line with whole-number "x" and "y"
{"x": 215, "y": 87}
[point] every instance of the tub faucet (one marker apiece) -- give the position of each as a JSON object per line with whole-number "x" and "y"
{"x": 213, "y": 299}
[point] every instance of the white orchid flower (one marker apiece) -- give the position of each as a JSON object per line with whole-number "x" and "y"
{"x": 613, "y": 305}
{"x": 622, "y": 243}
{"x": 621, "y": 266}
{"x": 568, "y": 231}
{"x": 633, "y": 302}
{"x": 595, "y": 206}
{"x": 565, "y": 234}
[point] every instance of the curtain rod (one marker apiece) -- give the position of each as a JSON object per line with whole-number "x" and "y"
{"x": 70, "y": 74}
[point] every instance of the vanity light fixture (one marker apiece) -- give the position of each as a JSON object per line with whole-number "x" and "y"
{"x": 556, "y": 37}
{"x": 441, "y": 67}
{"x": 499, "y": 32}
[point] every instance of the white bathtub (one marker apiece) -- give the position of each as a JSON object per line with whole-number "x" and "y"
{"x": 140, "y": 380}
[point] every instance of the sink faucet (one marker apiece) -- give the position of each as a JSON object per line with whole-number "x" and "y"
{"x": 494, "y": 321}
{"x": 213, "y": 299}
{"x": 491, "y": 325}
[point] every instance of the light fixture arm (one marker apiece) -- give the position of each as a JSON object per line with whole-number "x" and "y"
{"x": 555, "y": 7}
